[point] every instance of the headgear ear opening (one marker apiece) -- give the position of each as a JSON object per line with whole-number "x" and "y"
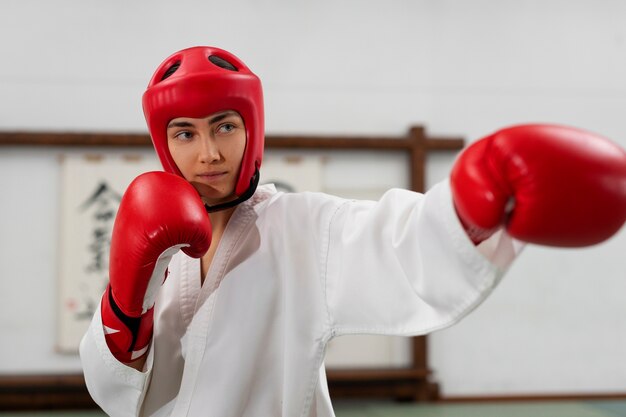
{"x": 200, "y": 81}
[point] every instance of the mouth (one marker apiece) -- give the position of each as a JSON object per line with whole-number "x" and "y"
{"x": 212, "y": 176}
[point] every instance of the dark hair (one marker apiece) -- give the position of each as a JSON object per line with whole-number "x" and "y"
{"x": 216, "y": 60}
{"x": 222, "y": 63}
{"x": 171, "y": 70}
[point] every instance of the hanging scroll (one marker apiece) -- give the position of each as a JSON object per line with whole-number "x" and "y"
{"x": 92, "y": 187}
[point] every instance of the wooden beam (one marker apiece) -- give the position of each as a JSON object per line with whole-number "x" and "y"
{"x": 44, "y": 392}
{"x": 272, "y": 141}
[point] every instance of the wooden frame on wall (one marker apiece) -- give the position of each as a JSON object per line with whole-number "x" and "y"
{"x": 411, "y": 383}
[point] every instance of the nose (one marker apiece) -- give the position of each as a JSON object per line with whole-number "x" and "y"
{"x": 209, "y": 151}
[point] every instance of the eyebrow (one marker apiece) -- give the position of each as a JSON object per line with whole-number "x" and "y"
{"x": 179, "y": 124}
{"x": 212, "y": 120}
{"x": 222, "y": 116}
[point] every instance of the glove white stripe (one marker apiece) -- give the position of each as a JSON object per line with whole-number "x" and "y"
{"x": 158, "y": 276}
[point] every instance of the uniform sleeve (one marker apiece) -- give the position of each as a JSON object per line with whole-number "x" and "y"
{"x": 118, "y": 389}
{"x": 404, "y": 265}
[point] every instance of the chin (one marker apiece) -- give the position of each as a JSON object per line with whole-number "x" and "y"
{"x": 212, "y": 194}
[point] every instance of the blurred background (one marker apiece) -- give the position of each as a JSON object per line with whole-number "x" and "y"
{"x": 554, "y": 327}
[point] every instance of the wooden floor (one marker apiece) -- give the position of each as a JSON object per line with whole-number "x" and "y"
{"x": 508, "y": 409}
{"x": 613, "y": 408}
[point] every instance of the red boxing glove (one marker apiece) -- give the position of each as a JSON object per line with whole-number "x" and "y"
{"x": 159, "y": 214}
{"x": 549, "y": 185}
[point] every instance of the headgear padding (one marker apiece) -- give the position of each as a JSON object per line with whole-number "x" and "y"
{"x": 196, "y": 83}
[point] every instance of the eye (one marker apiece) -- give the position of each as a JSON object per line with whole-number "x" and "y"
{"x": 183, "y": 135}
{"x": 226, "y": 127}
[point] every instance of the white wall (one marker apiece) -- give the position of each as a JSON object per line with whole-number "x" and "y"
{"x": 462, "y": 68}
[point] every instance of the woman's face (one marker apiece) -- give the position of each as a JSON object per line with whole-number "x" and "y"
{"x": 208, "y": 152}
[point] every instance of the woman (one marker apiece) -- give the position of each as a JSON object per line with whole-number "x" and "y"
{"x": 240, "y": 324}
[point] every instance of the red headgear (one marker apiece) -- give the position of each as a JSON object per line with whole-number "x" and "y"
{"x": 200, "y": 81}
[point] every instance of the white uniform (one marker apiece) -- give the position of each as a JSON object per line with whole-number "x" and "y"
{"x": 291, "y": 272}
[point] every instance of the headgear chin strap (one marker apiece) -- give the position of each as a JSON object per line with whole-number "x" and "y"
{"x": 200, "y": 81}
{"x": 240, "y": 199}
